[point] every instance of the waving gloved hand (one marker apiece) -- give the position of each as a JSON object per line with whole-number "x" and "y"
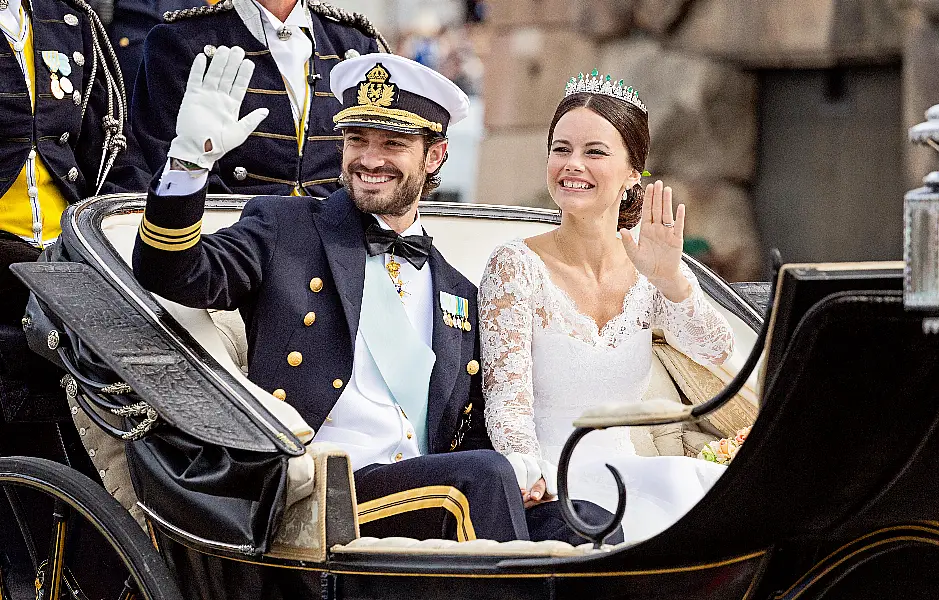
{"x": 207, "y": 126}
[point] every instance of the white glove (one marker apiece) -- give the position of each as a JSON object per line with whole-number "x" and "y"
{"x": 528, "y": 470}
{"x": 207, "y": 125}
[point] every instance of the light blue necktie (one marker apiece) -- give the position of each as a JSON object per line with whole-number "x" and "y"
{"x": 404, "y": 360}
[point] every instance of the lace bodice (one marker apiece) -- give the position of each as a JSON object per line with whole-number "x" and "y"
{"x": 544, "y": 361}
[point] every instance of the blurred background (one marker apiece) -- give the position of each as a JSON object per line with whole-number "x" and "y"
{"x": 780, "y": 123}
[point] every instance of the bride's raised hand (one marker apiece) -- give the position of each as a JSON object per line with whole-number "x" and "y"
{"x": 657, "y": 255}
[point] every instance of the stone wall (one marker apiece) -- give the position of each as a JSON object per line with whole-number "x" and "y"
{"x": 694, "y": 64}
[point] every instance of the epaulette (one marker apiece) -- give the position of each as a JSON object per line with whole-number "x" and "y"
{"x": 219, "y": 7}
{"x": 354, "y": 19}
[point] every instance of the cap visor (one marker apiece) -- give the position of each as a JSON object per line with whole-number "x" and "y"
{"x": 386, "y": 124}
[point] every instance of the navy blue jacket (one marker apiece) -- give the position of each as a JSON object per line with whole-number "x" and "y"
{"x": 269, "y": 161}
{"x": 264, "y": 265}
{"x": 63, "y": 139}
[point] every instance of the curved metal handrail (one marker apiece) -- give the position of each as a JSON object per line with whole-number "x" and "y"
{"x": 598, "y": 533}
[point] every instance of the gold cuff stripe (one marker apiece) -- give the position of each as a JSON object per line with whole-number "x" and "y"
{"x": 324, "y": 138}
{"x": 435, "y": 496}
{"x": 174, "y": 232}
{"x": 175, "y": 239}
{"x": 319, "y": 181}
{"x": 397, "y": 114}
{"x": 274, "y": 136}
{"x": 327, "y": 56}
{"x": 267, "y": 92}
{"x": 257, "y": 52}
{"x": 325, "y": 94}
{"x": 176, "y": 246}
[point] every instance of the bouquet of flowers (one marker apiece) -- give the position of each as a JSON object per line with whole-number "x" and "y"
{"x": 723, "y": 451}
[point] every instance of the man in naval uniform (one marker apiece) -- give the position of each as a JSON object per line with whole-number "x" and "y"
{"x": 294, "y": 45}
{"x": 353, "y": 317}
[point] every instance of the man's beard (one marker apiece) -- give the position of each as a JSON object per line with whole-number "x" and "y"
{"x": 394, "y": 203}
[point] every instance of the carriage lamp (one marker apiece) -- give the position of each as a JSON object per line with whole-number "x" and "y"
{"x": 921, "y": 227}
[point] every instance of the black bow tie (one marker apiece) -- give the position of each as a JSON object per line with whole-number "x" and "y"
{"x": 413, "y": 248}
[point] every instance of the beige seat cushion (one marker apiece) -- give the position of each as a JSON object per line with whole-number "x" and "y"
{"x": 437, "y": 547}
{"x": 699, "y": 385}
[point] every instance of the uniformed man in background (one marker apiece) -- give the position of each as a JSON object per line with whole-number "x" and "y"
{"x": 63, "y": 137}
{"x": 294, "y": 45}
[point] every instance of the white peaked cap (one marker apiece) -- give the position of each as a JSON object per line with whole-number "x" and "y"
{"x": 387, "y": 91}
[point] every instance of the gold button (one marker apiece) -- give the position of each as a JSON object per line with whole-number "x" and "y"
{"x": 309, "y": 318}
{"x": 316, "y": 284}
{"x": 472, "y": 367}
{"x": 279, "y": 394}
{"x": 124, "y": 42}
{"x": 399, "y": 456}
{"x": 410, "y": 435}
{"x": 467, "y": 326}
{"x": 294, "y": 359}
{"x": 337, "y": 383}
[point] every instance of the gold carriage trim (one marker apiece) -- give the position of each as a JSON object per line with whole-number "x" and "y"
{"x": 435, "y": 496}
{"x": 164, "y": 238}
{"x": 403, "y": 116}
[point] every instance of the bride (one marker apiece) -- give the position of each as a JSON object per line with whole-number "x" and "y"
{"x": 566, "y": 317}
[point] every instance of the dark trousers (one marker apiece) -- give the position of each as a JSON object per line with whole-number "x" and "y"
{"x": 461, "y": 496}
{"x": 13, "y": 293}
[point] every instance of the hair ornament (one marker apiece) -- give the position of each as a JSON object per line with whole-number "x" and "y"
{"x": 594, "y": 84}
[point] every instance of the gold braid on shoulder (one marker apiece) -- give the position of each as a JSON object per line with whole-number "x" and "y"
{"x": 354, "y": 19}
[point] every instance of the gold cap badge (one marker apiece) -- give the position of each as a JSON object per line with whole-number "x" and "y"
{"x": 375, "y": 90}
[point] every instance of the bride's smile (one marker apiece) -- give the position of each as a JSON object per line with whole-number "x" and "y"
{"x": 588, "y": 164}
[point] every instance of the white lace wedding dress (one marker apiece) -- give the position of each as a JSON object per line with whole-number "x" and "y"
{"x": 544, "y": 363}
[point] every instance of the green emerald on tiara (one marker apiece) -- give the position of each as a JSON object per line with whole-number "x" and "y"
{"x": 594, "y": 73}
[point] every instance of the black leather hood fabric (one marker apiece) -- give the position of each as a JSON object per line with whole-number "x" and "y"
{"x": 222, "y": 495}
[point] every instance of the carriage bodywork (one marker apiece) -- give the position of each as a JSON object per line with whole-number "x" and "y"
{"x": 833, "y": 495}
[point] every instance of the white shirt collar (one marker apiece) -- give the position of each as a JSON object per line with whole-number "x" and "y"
{"x": 13, "y": 10}
{"x": 414, "y": 229}
{"x": 297, "y": 17}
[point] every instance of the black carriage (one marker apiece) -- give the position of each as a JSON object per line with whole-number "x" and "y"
{"x": 833, "y": 495}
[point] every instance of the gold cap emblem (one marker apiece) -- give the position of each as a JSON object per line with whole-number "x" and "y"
{"x": 472, "y": 367}
{"x": 375, "y": 90}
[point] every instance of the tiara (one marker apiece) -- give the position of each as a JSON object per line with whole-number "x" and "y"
{"x": 595, "y": 85}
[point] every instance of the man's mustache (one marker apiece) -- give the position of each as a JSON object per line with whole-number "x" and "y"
{"x": 357, "y": 167}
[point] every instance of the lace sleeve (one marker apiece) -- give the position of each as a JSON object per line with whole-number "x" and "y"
{"x": 505, "y": 325}
{"x": 693, "y": 325}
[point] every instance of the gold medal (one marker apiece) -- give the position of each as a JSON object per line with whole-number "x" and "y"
{"x": 393, "y": 267}
{"x": 56, "y": 88}
{"x": 447, "y": 319}
{"x": 466, "y": 326}
{"x": 66, "y": 85}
